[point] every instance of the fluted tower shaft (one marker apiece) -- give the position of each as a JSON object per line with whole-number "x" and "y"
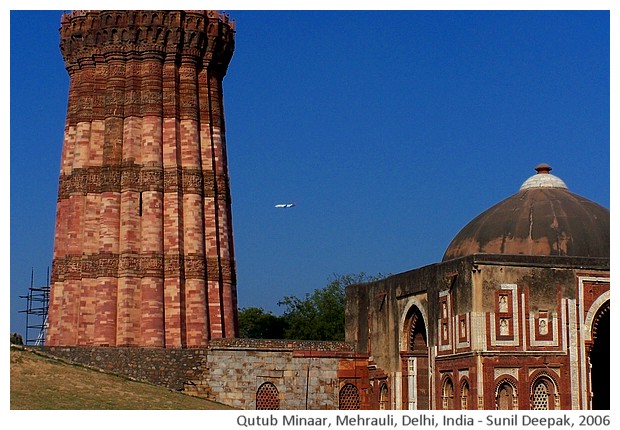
{"x": 143, "y": 251}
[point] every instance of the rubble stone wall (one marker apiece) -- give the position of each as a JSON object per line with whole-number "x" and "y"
{"x": 299, "y": 374}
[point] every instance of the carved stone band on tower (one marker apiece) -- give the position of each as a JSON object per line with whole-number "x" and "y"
{"x": 143, "y": 251}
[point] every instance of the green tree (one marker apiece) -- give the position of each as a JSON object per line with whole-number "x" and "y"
{"x": 255, "y": 323}
{"x": 320, "y": 315}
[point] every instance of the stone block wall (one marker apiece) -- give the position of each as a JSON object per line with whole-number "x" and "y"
{"x": 305, "y": 374}
{"x": 170, "y": 368}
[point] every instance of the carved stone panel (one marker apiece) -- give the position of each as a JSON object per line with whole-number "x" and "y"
{"x": 192, "y": 181}
{"x": 194, "y": 266}
{"x": 152, "y": 179}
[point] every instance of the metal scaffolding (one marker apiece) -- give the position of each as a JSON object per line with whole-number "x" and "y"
{"x": 37, "y": 301}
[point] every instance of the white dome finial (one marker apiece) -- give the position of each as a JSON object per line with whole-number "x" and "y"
{"x": 543, "y": 179}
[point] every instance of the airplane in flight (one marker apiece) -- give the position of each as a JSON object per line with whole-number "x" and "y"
{"x": 285, "y": 205}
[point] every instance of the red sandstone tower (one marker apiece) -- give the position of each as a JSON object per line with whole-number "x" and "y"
{"x": 143, "y": 251}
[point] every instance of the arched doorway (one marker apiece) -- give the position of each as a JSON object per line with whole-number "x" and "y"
{"x": 415, "y": 363}
{"x": 599, "y": 360}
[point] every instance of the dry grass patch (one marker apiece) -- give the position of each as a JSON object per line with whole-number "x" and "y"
{"x": 38, "y": 382}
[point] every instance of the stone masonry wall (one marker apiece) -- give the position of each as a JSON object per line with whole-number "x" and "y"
{"x": 170, "y": 368}
{"x": 304, "y": 373}
{"x": 230, "y": 371}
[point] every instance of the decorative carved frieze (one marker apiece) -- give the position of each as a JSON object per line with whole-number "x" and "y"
{"x": 192, "y": 181}
{"x": 58, "y": 270}
{"x": 128, "y": 264}
{"x": 90, "y": 266}
{"x": 114, "y": 265}
{"x": 228, "y": 272}
{"x": 169, "y": 71}
{"x": 201, "y": 34}
{"x": 114, "y": 99}
{"x": 84, "y": 90}
{"x": 131, "y": 97}
{"x": 133, "y": 177}
{"x": 173, "y": 265}
{"x": 79, "y": 181}
{"x": 99, "y": 106}
{"x": 73, "y": 267}
{"x": 169, "y": 101}
{"x": 188, "y": 88}
{"x": 64, "y": 187}
{"x": 116, "y": 70}
{"x": 152, "y": 265}
{"x": 152, "y": 69}
{"x": 223, "y": 190}
{"x": 94, "y": 180}
{"x": 187, "y": 71}
{"x": 194, "y": 266}
{"x": 172, "y": 180}
{"x": 110, "y": 179}
{"x": 213, "y": 268}
{"x": 152, "y": 179}
{"x": 209, "y": 183}
{"x": 130, "y": 177}
{"x": 151, "y": 102}
{"x": 132, "y": 103}
{"x": 108, "y": 266}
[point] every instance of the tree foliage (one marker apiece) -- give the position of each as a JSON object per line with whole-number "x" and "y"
{"x": 320, "y": 315}
{"x": 317, "y": 316}
{"x": 255, "y": 323}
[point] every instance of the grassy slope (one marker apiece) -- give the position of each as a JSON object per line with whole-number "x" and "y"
{"x": 38, "y": 382}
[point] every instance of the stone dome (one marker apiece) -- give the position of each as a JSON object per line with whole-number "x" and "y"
{"x": 543, "y": 218}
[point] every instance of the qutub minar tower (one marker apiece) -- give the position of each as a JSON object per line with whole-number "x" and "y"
{"x": 143, "y": 252}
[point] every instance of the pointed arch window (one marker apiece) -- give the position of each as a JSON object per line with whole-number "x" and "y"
{"x": 540, "y": 397}
{"x": 383, "y": 397}
{"x": 464, "y": 395}
{"x": 544, "y": 394}
{"x": 448, "y": 394}
{"x": 417, "y": 333}
{"x": 506, "y": 396}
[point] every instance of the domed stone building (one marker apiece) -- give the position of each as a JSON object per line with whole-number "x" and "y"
{"x": 515, "y": 316}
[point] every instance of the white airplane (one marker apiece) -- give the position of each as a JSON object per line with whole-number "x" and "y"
{"x": 285, "y": 205}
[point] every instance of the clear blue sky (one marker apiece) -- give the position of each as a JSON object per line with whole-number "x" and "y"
{"x": 390, "y": 129}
